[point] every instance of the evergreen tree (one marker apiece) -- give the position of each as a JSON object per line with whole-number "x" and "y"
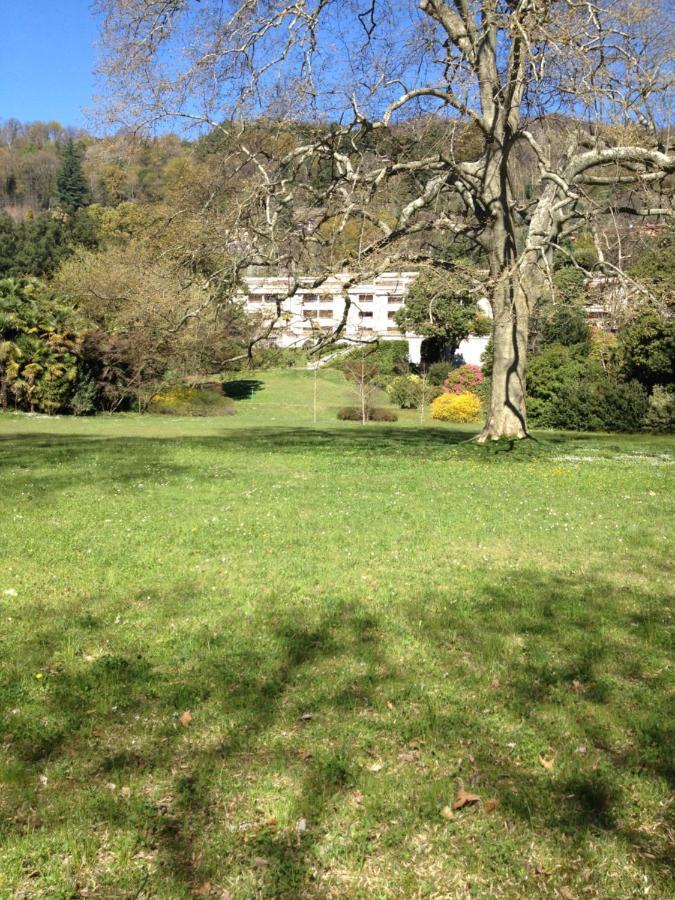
{"x": 71, "y": 186}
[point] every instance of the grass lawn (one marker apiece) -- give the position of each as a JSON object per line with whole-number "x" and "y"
{"x": 248, "y": 657}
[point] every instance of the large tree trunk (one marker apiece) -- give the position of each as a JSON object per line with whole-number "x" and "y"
{"x": 506, "y": 410}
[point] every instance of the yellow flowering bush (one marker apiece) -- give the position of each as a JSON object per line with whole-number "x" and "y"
{"x": 456, "y": 407}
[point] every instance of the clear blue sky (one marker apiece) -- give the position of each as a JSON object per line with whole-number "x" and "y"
{"x": 46, "y": 60}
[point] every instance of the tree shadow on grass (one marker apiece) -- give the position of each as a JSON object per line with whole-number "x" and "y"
{"x": 242, "y": 388}
{"x": 298, "y": 696}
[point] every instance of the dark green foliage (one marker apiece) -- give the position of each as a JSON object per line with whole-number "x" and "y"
{"x": 567, "y": 325}
{"x": 661, "y": 413}
{"x": 85, "y": 396}
{"x": 36, "y": 246}
{"x": 71, "y": 189}
{"x": 647, "y": 347}
{"x": 373, "y": 414}
{"x": 569, "y": 390}
{"x": 600, "y": 404}
{"x": 548, "y": 374}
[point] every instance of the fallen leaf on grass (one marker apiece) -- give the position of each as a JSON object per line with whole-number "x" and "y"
{"x": 305, "y": 717}
{"x": 490, "y": 806}
{"x": 376, "y": 767}
{"x": 495, "y": 683}
{"x": 301, "y": 826}
{"x": 465, "y": 798}
{"x": 567, "y": 894}
{"x": 390, "y": 705}
{"x": 547, "y": 763}
{"x": 447, "y": 813}
{"x": 185, "y": 718}
{"x": 357, "y": 798}
{"x": 204, "y": 890}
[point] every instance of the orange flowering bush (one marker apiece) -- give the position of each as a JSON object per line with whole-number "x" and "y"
{"x": 456, "y": 407}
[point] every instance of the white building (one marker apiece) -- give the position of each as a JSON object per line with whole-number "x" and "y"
{"x": 372, "y": 308}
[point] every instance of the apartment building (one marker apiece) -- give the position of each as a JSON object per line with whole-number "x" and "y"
{"x": 372, "y": 308}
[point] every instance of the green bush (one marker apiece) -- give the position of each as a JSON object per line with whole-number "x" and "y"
{"x": 568, "y": 389}
{"x": 438, "y": 372}
{"x": 647, "y": 347}
{"x": 600, "y": 404}
{"x": 567, "y": 325}
{"x": 373, "y": 414}
{"x": 85, "y": 398}
{"x": 191, "y": 401}
{"x": 661, "y": 412}
{"x": 549, "y": 373}
{"x": 406, "y": 391}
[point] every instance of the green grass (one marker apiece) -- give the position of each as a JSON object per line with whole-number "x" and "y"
{"x": 360, "y": 621}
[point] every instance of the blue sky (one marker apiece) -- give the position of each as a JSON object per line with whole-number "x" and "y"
{"x": 47, "y": 60}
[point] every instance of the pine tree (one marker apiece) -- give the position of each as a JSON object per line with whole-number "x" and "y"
{"x": 71, "y": 187}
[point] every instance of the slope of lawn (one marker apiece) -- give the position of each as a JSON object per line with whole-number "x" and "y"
{"x": 248, "y": 657}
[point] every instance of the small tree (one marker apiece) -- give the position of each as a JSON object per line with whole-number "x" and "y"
{"x": 362, "y": 375}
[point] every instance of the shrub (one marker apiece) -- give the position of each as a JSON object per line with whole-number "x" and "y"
{"x": 381, "y": 414}
{"x": 406, "y": 391}
{"x": 373, "y": 414}
{"x": 661, "y": 413}
{"x": 190, "y": 401}
{"x": 647, "y": 347}
{"x": 567, "y": 324}
{"x": 550, "y": 373}
{"x": 600, "y": 404}
{"x": 456, "y": 407}
{"x": 84, "y": 400}
{"x": 437, "y": 372}
{"x": 467, "y": 378}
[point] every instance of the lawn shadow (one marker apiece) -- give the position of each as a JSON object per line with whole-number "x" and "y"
{"x": 242, "y": 388}
{"x": 260, "y": 699}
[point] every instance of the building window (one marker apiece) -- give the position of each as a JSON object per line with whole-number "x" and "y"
{"x": 394, "y": 298}
{"x": 311, "y": 313}
{"x": 393, "y": 331}
{"x": 365, "y": 315}
{"x": 309, "y": 299}
{"x": 271, "y": 298}
{"x": 365, "y": 298}
{"x": 391, "y": 314}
